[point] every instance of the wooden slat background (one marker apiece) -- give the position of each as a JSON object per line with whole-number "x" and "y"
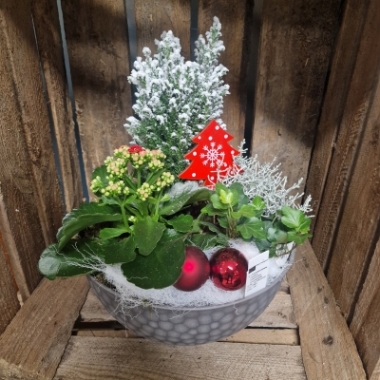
{"x": 297, "y": 40}
{"x": 96, "y": 34}
{"x": 316, "y": 109}
{"x": 9, "y": 304}
{"x": 46, "y": 23}
{"x": 30, "y": 201}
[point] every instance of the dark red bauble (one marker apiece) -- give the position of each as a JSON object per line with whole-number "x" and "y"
{"x": 228, "y": 269}
{"x": 195, "y": 270}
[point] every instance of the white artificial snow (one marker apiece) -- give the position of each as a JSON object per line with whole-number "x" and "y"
{"x": 130, "y": 295}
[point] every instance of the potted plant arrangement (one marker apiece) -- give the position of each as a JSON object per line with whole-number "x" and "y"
{"x": 184, "y": 244}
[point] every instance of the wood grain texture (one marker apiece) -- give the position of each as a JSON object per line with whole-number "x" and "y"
{"x": 46, "y": 23}
{"x": 236, "y": 18}
{"x": 297, "y": 39}
{"x": 279, "y": 313}
{"x": 140, "y": 359}
{"x": 156, "y": 16}
{"x": 354, "y": 122}
{"x": 328, "y": 348}
{"x": 366, "y": 320}
{"x": 342, "y": 67}
{"x": 359, "y": 224}
{"x": 33, "y": 343}
{"x": 376, "y": 372}
{"x": 30, "y": 202}
{"x": 287, "y": 337}
{"x": 9, "y": 304}
{"x": 98, "y": 50}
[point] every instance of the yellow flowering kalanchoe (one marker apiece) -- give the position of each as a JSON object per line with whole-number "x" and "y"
{"x": 133, "y": 170}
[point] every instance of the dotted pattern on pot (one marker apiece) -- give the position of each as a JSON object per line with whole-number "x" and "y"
{"x": 188, "y": 326}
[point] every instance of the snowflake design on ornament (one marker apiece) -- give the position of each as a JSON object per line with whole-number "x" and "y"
{"x": 214, "y": 155}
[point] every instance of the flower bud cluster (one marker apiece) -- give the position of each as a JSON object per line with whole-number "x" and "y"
{"x": 166, "y": 179}
{"x": 114, "y": 188}
{"x": 127, "y": 167}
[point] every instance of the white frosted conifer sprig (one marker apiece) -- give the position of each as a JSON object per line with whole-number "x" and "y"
{"x": 265, "y": 180}
{"x": 176, "y": 99}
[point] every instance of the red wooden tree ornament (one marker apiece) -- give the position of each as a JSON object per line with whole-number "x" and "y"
{"x": 212, "y": 157}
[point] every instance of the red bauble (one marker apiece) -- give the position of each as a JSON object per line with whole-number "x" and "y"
{"x": 228, "y": 269}
{"x": 195, "y": 270}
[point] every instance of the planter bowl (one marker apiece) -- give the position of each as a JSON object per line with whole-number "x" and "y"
{"x": 189, "y": 326}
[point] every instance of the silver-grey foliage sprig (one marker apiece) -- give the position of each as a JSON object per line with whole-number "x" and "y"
{"x": 268, "y": 182}
{"x": 176, "y": 99}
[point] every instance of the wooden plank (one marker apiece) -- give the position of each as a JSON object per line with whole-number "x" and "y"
{"x": 279, "y": 314}
{"x": 366, "y": 320}
{"x": 376, "y": 372}
{"x": 288, "y": 337}
{"x": 328, "y": 348}
{"x": 297, "y": 39}
{"x": 156, "y": 16}
{"x": 98, "y": 50}
{"x": 354, "y": 122}
{"x": 33, "y": 343}
{"x": 359, "y": 223}
{"x": 46, "y": 23}
{"x": 9, "y": 304}
{"x": 140, "y": 359}
{"x": 236, "y": 20}
{"x": 342, "y": 67}
{"x": 30, "y": 202}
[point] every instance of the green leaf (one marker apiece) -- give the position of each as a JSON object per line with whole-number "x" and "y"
{"x": 227, "y": 197}
{"x": 247, "y": 211}
{"x": 203, "y": 241}
{"x": 120, "y": 251}
{"x": 277, "y": 236}
{"x": 252, "y": 228}
{"x": 304, "y": 227}
{"x": 175, "y": 204}
{"x": 297, "y": 237}
{"x": 110, "y": 233}
{"x": 258, "y": 203}
{"x": 147, "y": 234}
{"x": 262, "y": 244}
{"x": 182, "y": 223}
{"x": 109, "y": 201}
{"x": 100, "y": 171}
{"x": 216, "y": 202}
{"x": 238, "y": 190}
{"x": 76, "y": 255}
{"x": 295, "y": 219}
{"x": 86, "y": 215}
{"x": 211, "y": 227}
{"x": 160, "y": 269}
{"x": 219, "y": 187}
{"x": 211, "y": 211}
{"x": 222, "y": 221}
{"x": 64, "y": 263}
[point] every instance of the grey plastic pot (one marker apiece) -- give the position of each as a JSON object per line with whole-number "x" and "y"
{"x": 189, "y": 326}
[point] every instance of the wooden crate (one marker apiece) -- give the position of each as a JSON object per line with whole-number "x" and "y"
{"x": 304, "y": 83}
